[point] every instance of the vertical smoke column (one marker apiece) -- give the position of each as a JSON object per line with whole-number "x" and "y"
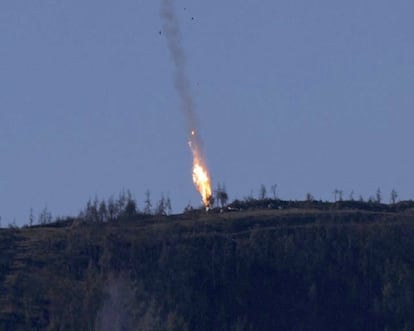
{"x": 201, "y": 177}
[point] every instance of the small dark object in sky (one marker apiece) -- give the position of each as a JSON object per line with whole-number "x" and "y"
{"x": 160, "y": 32}
{"x": 192, "y": 18}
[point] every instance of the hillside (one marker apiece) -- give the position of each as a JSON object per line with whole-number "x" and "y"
{"x": 296, "y": 267}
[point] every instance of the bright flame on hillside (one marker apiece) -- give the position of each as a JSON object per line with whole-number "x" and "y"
{"x": 201, "y": 178}
{"x": 171, "y": 29}
{"x": 202, "y": 182}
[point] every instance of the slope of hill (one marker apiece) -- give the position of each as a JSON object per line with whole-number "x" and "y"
{"x": 260, "y": 269}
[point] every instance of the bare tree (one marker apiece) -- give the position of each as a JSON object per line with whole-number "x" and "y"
{"x": 211, "y": 201}
{"x": 223, "y": 198}
{"x": 273, "y": 188}
{"x": 335, "y": 193}
{"x": 262, "y": 192}
{"x": 45, "y": 217}
{"x": 188, "y": 208}
{"x": 168, "y": 207}
{"x": 378, "y": 196}
{"x": 351, "y": 196}
{"x": 309, "y": 197}
{"x": 394, "y": 196}
{"x": 221, "y": 195}
{"x": 161, "y": 208}
{"x": 121, "y": 202}
{"x": 217, "y": 194}
{"x": 13, "y": 225}
{"x": 31, "y": 217}
{"x": 250, "y": 197}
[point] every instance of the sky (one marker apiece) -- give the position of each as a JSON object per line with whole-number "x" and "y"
{"x": 310, "y": 95}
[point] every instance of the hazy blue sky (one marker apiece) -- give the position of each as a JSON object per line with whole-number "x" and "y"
{"x": 311, "y": 95}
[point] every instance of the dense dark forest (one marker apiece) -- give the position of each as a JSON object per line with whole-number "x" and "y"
{"x": 257, "y": 264}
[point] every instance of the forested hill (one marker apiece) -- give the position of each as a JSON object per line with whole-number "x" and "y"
{"x": 285, "y": 267}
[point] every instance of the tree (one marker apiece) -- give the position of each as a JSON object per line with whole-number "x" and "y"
{"x": 31, "y": 217}
{"x": 161, "y": 208}
{"x": 102, "y": 212}
{"x": 130, "y": 207}
{"x": 211, "y": 201}
{"x": 309, "y": 197}
{"x": 262, "y": 192}
{"x": 273, "y": 189}
{"x": 121, "y": 202}
{"x": 147, "y": 202}
{"x": 168, "y": 206}
{"x": 338, "y": 195}
{"x": 13, "y": 225}
{"x": 221, "y": 195}
{"x": 394, "y": 196}
{"x": 91, "y": 211}
{"x": 45, "y": 217}
{"x": 335, "y": 193}
{"x": 378, "y": 196}
{"x": 351, "y": 196}
{"x": 188, "y": 208}
{"x": 250, "y": 197}
{"x": 217, "y": 194}
{"x": 111, "y": 209}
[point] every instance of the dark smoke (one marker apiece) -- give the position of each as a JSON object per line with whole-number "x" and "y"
{"x": 172, "y": 32}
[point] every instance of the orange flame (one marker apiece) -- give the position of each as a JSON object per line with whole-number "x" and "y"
{"x": 201, "y": 177}
{"x": 201, "y": 180}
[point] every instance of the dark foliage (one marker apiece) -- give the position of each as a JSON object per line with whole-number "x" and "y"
{"x": 277, "y": 265}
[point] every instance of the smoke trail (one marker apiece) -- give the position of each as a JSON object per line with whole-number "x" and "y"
{"x": 172, "y": 32}
{"x": 182, "y": 84}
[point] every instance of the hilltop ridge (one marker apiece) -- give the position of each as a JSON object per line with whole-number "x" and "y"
{"x": 253, "y": 266}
